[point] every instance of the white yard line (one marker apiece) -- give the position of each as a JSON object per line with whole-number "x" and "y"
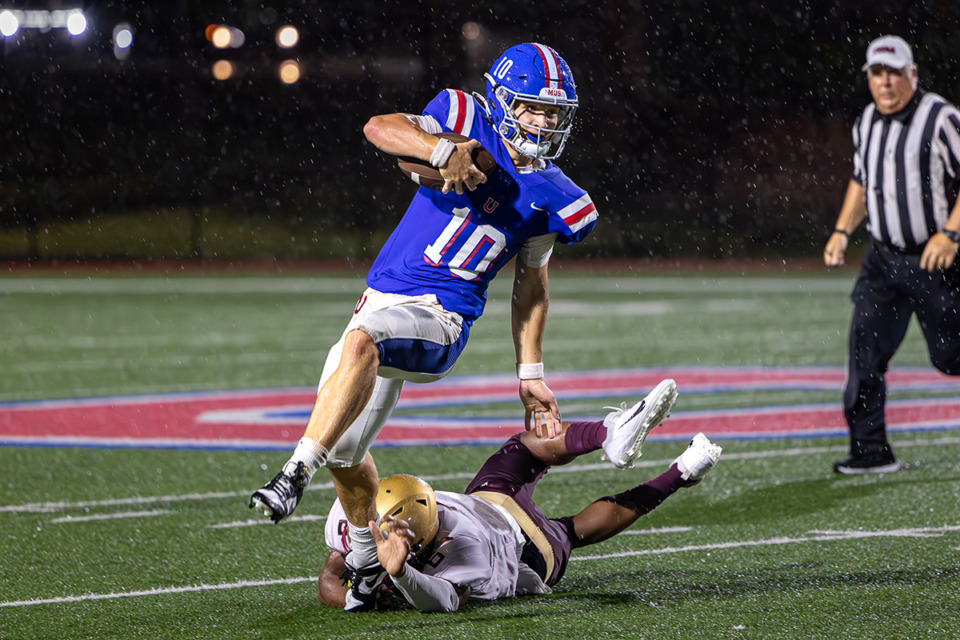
{"x": 712, "y": 286}
{"x": 647, "y": 532}
{"x": 157, "y": 592}
{"x": 111, "y": 516}
{"x": 260, "y": 521}
{"x": 927, "y": 532}
{"x": 813, "y": 536}
{"x": 53, "y": 507}
{"x": 148, "y": 285}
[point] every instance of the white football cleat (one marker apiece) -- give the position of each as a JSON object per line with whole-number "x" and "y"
{"x": 627, "y": 428}
{"x": 699, "y": 457}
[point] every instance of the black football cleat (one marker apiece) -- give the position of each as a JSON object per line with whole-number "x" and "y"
{"x": 279, "y": 497}
{"x": 363, "y": 586}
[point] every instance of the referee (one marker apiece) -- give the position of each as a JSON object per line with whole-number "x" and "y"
{"x": 906, "y": 178}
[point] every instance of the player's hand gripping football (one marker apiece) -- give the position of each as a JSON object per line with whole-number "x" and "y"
{"x": 460, "y": 170}
{"x": 392, "y": 550}
{"x": 542, "y": 412}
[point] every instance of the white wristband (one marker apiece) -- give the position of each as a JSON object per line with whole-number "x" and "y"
{"x": 528, "y": 371}
{"x": 442, "y": 152}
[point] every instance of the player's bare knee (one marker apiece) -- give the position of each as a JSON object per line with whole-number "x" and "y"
{"x": 365, "y": 471}
{"x": 360, "y": 347}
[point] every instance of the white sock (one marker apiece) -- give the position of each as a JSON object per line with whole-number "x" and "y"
{"x": 311, "y": 453}
{"x": 363, "y": 546}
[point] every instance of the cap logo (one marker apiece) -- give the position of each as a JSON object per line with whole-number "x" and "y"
{"x": 885, "y": 50}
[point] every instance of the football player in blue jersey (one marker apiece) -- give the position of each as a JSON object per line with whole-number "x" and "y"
{"x": 429, "y": 282}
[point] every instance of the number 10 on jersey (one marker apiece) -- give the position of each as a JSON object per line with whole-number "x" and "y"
{"x": 474, "y": 256}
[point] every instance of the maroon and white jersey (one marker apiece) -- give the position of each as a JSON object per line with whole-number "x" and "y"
{"x": 476, "y": 545}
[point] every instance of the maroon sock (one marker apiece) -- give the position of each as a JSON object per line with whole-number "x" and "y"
{"x": 668, "y": 481}
{"x": 646, "y": 497}
{"x": 584, "y": 437}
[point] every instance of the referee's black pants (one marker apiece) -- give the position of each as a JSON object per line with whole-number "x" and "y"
{"x": 891, "y": 287}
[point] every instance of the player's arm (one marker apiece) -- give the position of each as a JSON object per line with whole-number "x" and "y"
{"x": 852, "y": 213}
{"x": 429, "y": 593}
{"x": 529, "y": 304}
{"x": 426, "y": 593}
{"x": 401, "y": 134}
{"x": 330, "y": 588}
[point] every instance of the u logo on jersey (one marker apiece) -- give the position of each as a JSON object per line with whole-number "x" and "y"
{"x": 490, "y": 205}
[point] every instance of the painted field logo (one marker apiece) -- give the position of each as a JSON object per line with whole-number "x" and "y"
{"x": 274, "y": 419}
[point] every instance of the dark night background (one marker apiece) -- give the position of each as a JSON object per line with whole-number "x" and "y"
{"x": 706, "y": 128}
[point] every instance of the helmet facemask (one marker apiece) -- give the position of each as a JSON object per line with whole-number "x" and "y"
{"x": 531, "y": 140}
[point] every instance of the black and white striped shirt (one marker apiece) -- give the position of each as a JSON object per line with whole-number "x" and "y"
{"x": 909, "y": 166}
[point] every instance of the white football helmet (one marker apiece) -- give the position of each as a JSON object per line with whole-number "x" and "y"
{"x": 409, "y": 498}
{"x": 531, "y": 73}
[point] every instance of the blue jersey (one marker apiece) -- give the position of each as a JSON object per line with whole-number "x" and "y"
{"x": 453, "y": 245}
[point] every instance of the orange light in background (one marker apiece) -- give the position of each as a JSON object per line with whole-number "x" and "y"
{"x": 470, "y": 30}
{"x": 289, "y": 71}
{"x": 222, "y": 69}
{"x": 208, "y": 32}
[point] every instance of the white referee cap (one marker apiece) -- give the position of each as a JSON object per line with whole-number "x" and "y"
{"x": 890, "y": 51}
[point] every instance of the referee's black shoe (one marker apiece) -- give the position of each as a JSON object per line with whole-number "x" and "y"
{"x": 882, "y": 461}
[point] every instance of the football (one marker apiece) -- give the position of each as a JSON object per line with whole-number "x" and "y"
{"x": 426, "y": 175}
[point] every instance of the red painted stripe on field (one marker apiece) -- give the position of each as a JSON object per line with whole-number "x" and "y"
{"x": 275, "y": 418}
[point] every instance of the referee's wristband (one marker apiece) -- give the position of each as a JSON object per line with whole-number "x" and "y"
{"x": 952, "y": 235}
{"x": 528, "y": 371}
{"x": 841, "y": 231}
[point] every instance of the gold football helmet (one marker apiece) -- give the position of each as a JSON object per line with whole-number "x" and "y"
{"x": 412, "y": 500}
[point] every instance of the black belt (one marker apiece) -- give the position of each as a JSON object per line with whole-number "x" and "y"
{"x": 910, "y": 251}
{"x": 532, "y": 557}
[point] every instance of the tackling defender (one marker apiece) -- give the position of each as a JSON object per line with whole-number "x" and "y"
{"x": 493, "y": 541}
{"x": 428, "y": 285}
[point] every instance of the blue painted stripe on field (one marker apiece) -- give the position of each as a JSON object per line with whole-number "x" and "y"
{"x": 286, "y": 446}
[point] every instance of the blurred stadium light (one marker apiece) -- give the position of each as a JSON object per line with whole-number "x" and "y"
{"x": 471, "y": 30}
{"x": 12, "y": 20}
{"x": 223, "y": 36}
{"x": 76, "y": 23}
{"x": 287, "y": 36}
{"x": 289, "y": 71}
{"x": 222, "y": 69}
{"x": 122, "y": 40}
{"x": 9, "y": 25}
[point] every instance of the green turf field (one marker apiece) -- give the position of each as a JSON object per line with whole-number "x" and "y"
{"x": 130, "y": 543}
